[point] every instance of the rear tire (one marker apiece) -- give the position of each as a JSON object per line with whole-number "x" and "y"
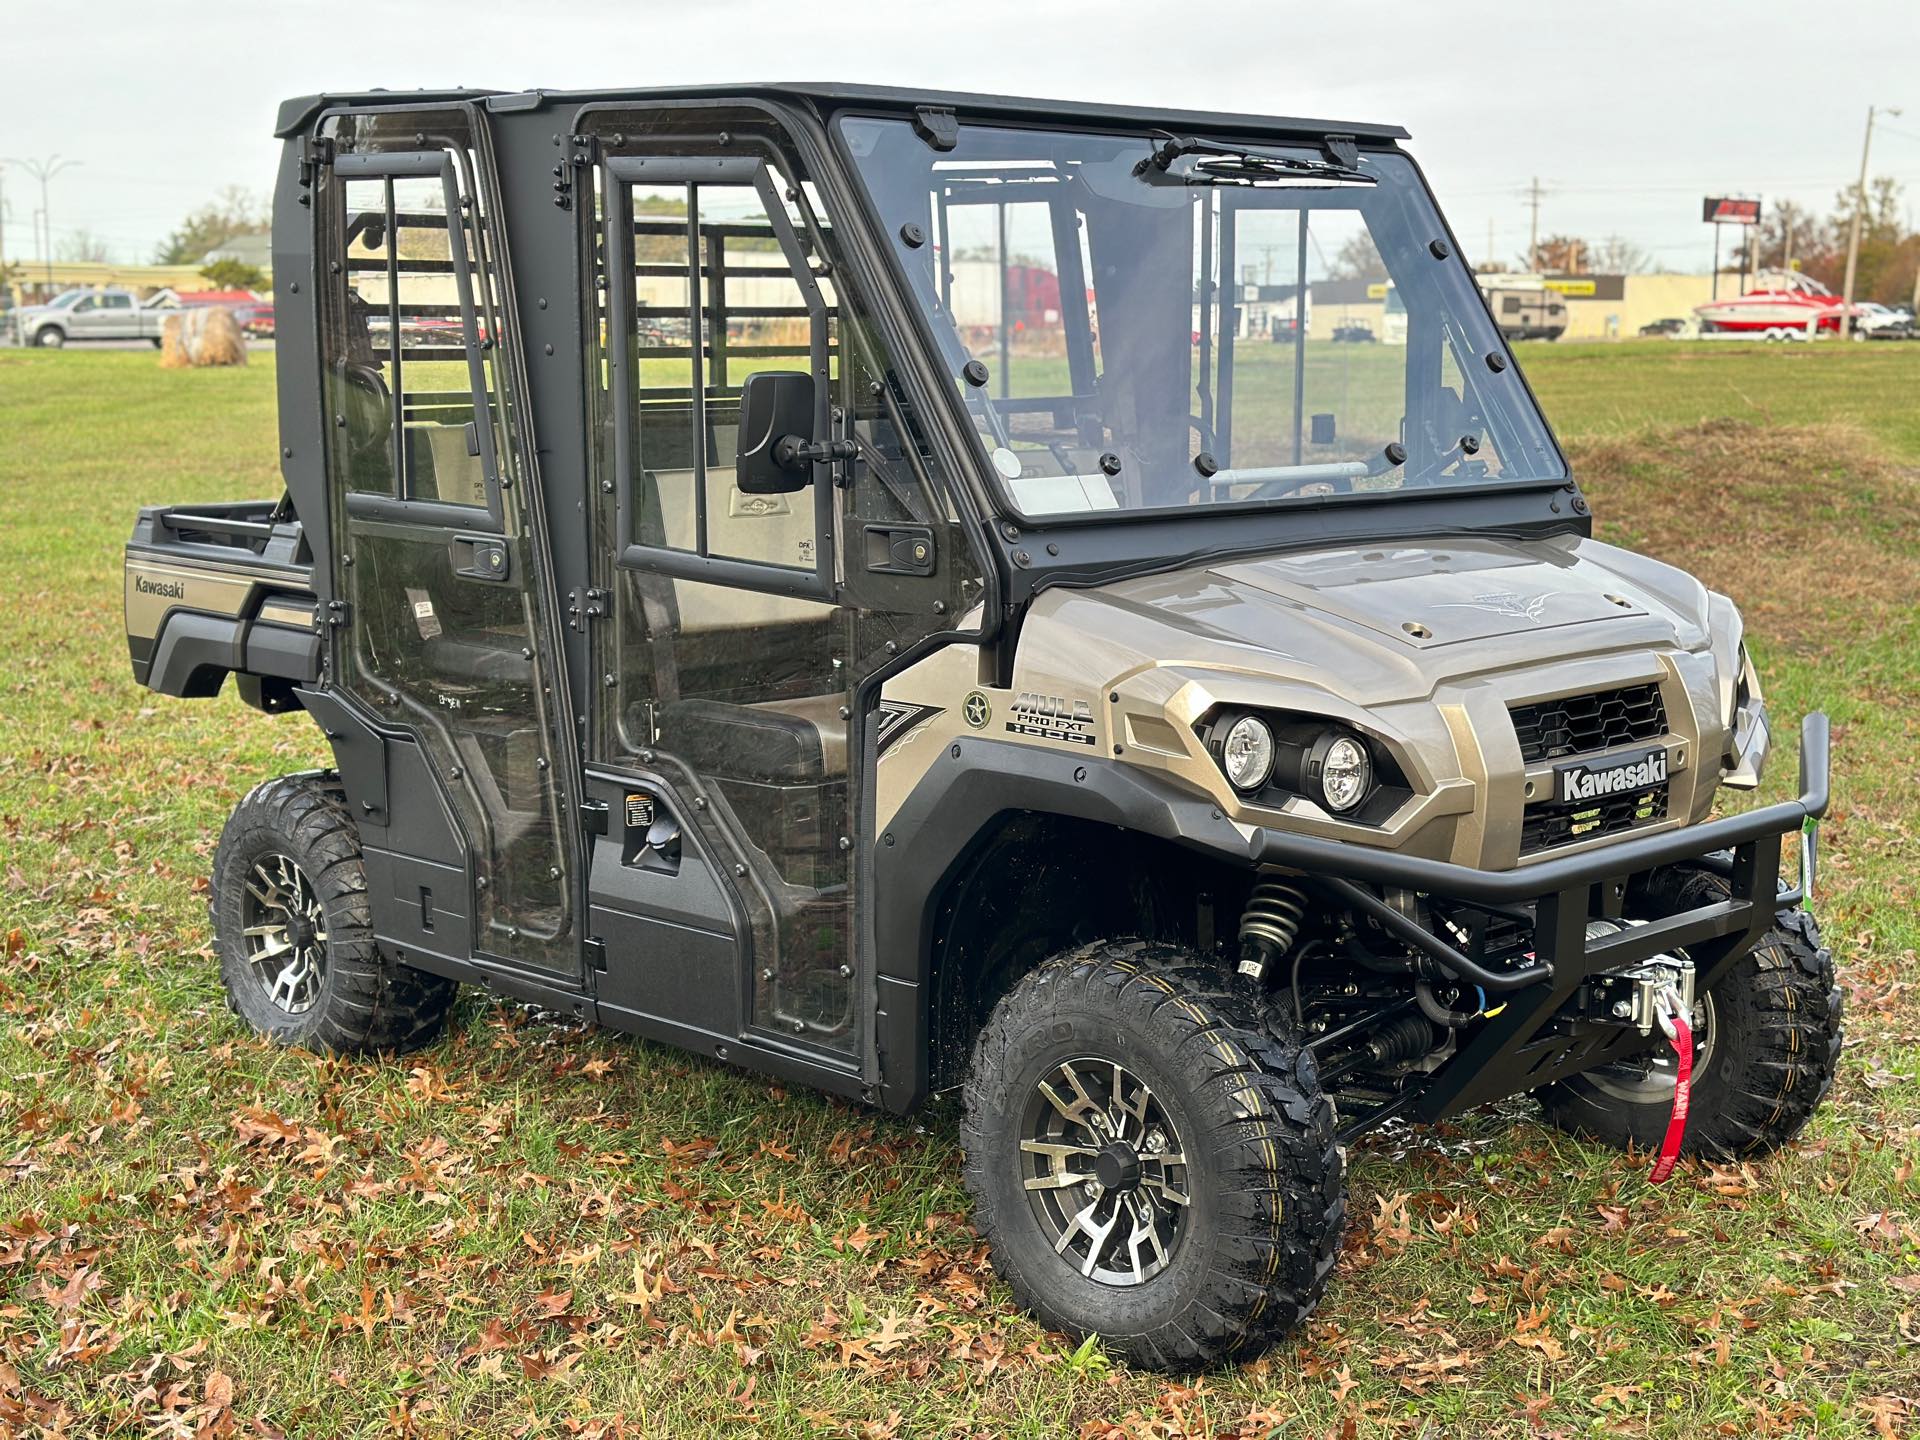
{"x": 294, "y": 933}
{"x": 1177, "y": 1264}
{"x": 1765, "y": 1062}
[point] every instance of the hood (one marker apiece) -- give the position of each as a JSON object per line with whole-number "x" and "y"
{"x": 1426, "y": 596}
{"x": 1387, "y": 622}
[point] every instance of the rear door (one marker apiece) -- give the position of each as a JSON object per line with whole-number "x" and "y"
{"x": 450, "y": 629}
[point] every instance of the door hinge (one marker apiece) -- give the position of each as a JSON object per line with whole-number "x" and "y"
{"x": 315, "y": 151}
{"x": 596, "y": 949}
{"x": 585, "y": 603}
{"x": 581, "y": 153}
{"x": 338, "y": 612}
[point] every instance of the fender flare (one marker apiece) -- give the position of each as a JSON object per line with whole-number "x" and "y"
{"x": 954, "y": 806}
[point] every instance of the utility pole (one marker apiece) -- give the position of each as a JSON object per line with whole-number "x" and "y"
{"x": 1853, "y": 232}
{"x": 1533, "y": 193}
{"x": 43, "y": 171}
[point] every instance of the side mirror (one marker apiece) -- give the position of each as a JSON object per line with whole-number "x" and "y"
{"x": 776, "y": 431}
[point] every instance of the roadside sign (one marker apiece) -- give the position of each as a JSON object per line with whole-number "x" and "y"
{"x": 1727, "y": 211}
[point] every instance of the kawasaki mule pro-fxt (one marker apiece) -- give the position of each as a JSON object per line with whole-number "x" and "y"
{"x": 903, "y": 592}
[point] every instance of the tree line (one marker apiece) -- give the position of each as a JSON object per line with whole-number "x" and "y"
{"x": 1790, "y": 236}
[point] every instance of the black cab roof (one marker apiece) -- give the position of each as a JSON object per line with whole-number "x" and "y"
{"x": 296, "y": 114}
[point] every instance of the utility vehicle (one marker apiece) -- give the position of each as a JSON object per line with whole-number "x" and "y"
{"x": 828, "y": 577}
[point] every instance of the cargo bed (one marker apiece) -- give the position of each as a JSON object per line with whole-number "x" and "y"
{"x": 220, "y": 589}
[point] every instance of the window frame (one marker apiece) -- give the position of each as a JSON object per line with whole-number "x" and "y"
{"x": 388, "y": 166}
{"x": 664, "y": 167}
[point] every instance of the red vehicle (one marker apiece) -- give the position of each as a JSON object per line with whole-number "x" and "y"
{"x": 256, "y": 320}
{"x": 254, "y": 314}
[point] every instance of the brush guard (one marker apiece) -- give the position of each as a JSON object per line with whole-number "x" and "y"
{"x": 1511, "y": 1053}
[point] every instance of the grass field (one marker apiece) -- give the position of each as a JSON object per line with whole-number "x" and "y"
{"x": 534, "y": 1230}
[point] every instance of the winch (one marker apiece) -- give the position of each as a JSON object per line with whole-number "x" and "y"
{"x": 1632, "y": 996}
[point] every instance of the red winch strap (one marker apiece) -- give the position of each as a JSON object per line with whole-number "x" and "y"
{"x": 1682, "y": 1037}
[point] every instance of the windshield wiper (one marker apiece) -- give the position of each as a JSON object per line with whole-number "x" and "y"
{"x": 1230, "y": 164}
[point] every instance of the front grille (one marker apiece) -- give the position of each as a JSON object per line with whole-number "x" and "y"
{"x": 1583, "y": 724}
{"x": 1552, "y": 823}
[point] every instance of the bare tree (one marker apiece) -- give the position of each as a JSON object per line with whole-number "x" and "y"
{"x": 1358, "y": 259}
{"x": 1617, "y": 255}
{"x": 1562, "y": 255}
{"x": 83, "y": 245}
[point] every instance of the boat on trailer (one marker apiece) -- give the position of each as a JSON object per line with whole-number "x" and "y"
{"x": 1782, "y": 303}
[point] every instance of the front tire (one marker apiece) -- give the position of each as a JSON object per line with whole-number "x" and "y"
{"x": 1149, "y": 1160}
{"x": 294, "y": 933}
{"x": 1765, "y": 1056}
{"x": 49, "y": 337}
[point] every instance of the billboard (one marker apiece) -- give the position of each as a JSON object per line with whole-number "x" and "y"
{"x": 1717, "y": 210}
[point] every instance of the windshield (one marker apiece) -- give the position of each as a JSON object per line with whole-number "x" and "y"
{"x": 1140, "y": 323}
{"x": 66, "y": 298}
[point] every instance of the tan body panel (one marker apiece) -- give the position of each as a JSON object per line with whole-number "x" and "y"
{"x": 154, "y": 587}
{"x": 1422, "y": 646}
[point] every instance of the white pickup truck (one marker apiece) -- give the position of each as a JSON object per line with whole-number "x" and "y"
{"x": 90, "y": 315}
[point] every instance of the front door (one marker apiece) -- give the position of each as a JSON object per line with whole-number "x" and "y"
{"x": 448, "y": 633}
{"x": 741, "y": 626}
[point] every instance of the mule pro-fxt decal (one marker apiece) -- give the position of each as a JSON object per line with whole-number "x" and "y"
{"x": 1051, "y": 717}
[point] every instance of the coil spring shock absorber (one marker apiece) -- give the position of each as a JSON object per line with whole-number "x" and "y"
{"x": 1269, "y": 924}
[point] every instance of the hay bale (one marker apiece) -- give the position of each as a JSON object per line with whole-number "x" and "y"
{"x": 203, "y": 335}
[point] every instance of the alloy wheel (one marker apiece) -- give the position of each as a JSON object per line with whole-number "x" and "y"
{"x": 1104, "y": 1171}
{"x": 285, "y": 933}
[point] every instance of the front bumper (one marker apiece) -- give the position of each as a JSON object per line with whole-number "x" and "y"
{"x": 1507, "y": 1054}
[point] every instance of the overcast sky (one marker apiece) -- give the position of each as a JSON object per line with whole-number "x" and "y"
{"x": 1629, "y": 112}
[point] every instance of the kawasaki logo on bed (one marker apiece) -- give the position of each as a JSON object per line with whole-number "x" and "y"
{"x": 172, "y": 589}
{"x": 1612, "y": 777}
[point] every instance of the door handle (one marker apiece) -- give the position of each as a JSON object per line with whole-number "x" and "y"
{"x": 901, "y": 549}
{"x": 481, "y": 557}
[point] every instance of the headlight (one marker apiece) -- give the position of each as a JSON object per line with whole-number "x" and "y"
{"x": 1342, "y": 770}
{"x": 1247, "y": 754}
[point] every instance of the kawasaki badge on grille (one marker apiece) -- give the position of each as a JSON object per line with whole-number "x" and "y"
{"x": 1621, "y": 776}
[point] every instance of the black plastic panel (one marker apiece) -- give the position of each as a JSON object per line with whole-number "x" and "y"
{"x": 1584, "y": 724}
